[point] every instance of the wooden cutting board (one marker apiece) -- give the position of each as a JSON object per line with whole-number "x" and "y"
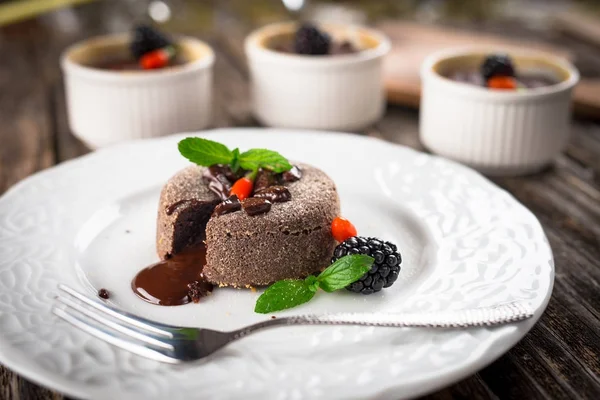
{"x": 412, "y": 42}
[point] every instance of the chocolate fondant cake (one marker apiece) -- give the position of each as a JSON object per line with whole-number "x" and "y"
{"x": 292, "y": 240}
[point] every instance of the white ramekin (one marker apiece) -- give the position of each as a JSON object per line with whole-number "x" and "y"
{"x": 497, "y": 132}
{"x": 341, "y": 92}
{"x": 106, "y": 107}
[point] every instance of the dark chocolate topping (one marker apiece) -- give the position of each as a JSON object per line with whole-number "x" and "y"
{"x": 292, "y": 175}
{"x": 255, "y": 206}
{"x": 174, "y": 281}
{"x": 263, "y": 180}
{"x": 217, "y": 181}
{"x": 275, "y": 194}
{"x": 227, "y": 206}
{"x": 226, "y": 170}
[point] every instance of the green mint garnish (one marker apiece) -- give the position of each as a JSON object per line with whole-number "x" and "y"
{"x": 235, "y": 161}
{"x": 344, "y": 271}
{"x": 254, "y": 159}
{"x": 205, "y": 152}
{"x": 208, "y": 152}
{"x": 291, "y": 293}
{"x": 284, "y": 294}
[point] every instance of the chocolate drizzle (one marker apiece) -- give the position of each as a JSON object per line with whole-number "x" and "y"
{"x": 174, "y": 281}
{"x": 218, "y": 180}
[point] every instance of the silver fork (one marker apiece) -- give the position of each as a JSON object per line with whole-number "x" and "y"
{"x": 174, "y": 345}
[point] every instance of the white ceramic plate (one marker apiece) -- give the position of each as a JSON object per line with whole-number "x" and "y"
{"x": 90, "y": 223}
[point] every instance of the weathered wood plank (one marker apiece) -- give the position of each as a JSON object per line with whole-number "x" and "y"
{"x": 25, "y": 137}
{"x": 470, "y": 388}
{"x": 25, "y": 143}
{"x": 508, "y": 379}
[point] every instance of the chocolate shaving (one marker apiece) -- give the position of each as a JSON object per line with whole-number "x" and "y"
{"x": 275, "y": 194}
{"x": 263, "y": 180}
{"x": 292, "y": 175}
{"x": 229, "y": 205}
{"x": 255, "y": 206}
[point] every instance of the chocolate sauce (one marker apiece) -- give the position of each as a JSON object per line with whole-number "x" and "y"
{"x": 275, "y": 194}
{"x": 227, "y": 206}
{"x": 103, "y": 294}
{"x": 218, "y": 179}
{"x": 254, "y": 206}
{"x": 225, "y": 170}
{"x": 174, "y": 281}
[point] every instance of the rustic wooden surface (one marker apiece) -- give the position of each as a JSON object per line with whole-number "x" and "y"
{"x": 559, "y": 358}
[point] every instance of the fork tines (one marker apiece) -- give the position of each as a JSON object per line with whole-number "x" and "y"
{"x": 135, "y": 334}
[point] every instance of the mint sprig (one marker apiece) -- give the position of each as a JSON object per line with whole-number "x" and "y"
{"x": 254, "y": 159}
{"x": 284, "y": 294}
{"x": 205, "y": 152}
{"x": 208, "y": 152}
{"x": 290, "y": 293}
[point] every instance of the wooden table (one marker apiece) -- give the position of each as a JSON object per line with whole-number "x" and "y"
{"x": 559, "y": 358}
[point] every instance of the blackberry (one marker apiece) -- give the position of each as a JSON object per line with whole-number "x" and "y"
{"x": 497, "y": 65}
{"x": 384, "y": 270}
{"x": 310, "y": 40}
{"x": 147, "y": 39}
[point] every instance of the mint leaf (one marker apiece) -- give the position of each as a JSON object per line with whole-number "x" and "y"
{"x": 205, "y": 152}
{"x": 235, "y": 161}
{"x": 283, "y": 294}
{"x": 344, "y": 271}
{"x": 254, "y": 159}
{"x": 312, "y": 282}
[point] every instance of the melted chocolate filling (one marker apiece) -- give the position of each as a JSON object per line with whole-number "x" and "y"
{"x": 175, "y": 281}
{"x": 191, "y": 222}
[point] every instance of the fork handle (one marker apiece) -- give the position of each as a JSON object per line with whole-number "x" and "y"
{"x": 489, "y": 316}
